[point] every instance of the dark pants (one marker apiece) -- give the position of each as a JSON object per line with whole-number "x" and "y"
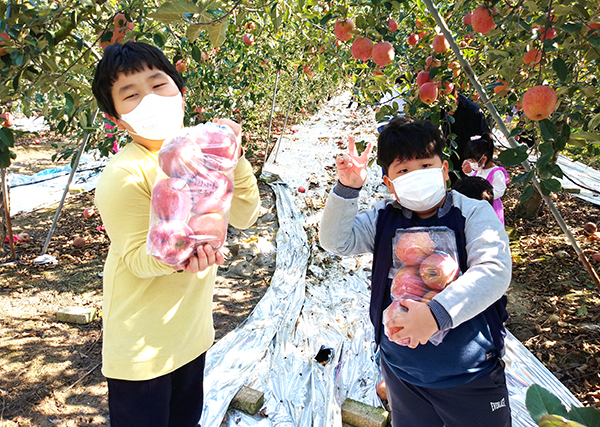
{"x": 172, "y": 400}
{"x": 480, "y": 403}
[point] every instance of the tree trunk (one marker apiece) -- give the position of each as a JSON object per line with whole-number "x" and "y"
{"x": 530, "y": 208}
{"x": 2, "y": 222}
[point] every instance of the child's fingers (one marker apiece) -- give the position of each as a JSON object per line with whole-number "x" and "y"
{"x": 365, "y": 155}
{"x": 352, "y": 146}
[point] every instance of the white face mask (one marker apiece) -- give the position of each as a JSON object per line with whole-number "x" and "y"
{"x": 420, "y": 190}
{"x": 475, "y": 166}
{"x": 156, "y": 117}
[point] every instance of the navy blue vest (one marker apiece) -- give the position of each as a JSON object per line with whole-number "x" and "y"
{"x": 389, "y": 220}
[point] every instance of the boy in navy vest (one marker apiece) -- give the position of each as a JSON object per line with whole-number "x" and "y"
{"x": 460, "y": 382}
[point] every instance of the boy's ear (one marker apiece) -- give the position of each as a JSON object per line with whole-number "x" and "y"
{"x": 389, "y": 184}
{"x": 445, "y": 168}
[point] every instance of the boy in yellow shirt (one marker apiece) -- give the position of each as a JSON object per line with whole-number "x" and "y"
{"x": 157, "y": 318}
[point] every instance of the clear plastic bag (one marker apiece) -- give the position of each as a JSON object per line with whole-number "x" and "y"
{"x": 191, "y": 198}
{"x": 425, "y": 261}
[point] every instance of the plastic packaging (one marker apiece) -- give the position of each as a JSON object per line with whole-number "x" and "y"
{"x": 191, "y": 198}
{"x": 425, "y": 261}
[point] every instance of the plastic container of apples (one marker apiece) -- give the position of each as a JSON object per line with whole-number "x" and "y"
{"x": 425, "y": 262}
{"x": 191, "y": 198}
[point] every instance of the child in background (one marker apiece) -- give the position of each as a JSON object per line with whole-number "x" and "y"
{"x": 460, "y": 382}
{"x": 157, "y": 318}
{"x": 475, "y": 187}
{"x": 479, "y": 153}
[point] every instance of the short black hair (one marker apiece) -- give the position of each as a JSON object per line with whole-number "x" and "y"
{"x": 128, "y": 58}
{"x": 475, "y": 187}
{"x": 405, "y": 138}
{"x": 479, "y": 147}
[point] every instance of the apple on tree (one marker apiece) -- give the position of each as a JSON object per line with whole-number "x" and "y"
{"x": 248, "y": 39}
{"x": 343, "y": 29}
{"x": 482, "y": 20}
{"x": 392, "y": 25}
{"x": 362, "y": 48}
{"x": 440, "y": 44}
{"x": 539, "y": 102}
{"x": 422, "y": 77}
{"x": 383, "y": 53}
{"x": 413, "y": 39}
{"x": 428, "y": 92}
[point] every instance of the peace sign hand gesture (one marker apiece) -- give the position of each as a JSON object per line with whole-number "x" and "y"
{"x": 352, "y": 168}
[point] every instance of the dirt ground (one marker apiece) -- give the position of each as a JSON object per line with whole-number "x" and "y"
{"x": 50, "y": 371}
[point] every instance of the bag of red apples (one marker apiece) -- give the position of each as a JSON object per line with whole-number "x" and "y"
{"x": 191, "y": 198}
{"x": 425, "y": 261}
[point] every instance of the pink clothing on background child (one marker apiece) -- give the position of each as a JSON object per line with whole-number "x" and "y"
{"x": 499, "y": 182}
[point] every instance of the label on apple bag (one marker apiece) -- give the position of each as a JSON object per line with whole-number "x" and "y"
{"x": 425, "y": 261}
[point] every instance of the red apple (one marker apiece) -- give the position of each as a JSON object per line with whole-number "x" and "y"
{"x": 596, "y": 256}
{"x": 422, "y": 78}
{"x": 407, "y": 284}
{"x": 248, "y": 39}
{"x": 3, "y": 36}
{"x": 482, "y": 20}
{"x": 539, "y": 102}
{"x": 170, "y": 242}
{"x": 455, "y": 67}
{"x": 533, "y": 55}
{"x": 301, "y": 189}
{"x": 428, "y": 93}
{"x": 467, "y": 19}
{"x": 219, "y": 145}
{"x": 88, "y": 213}
{"x": 419, "y": 24}
{"x": 209, "y": 229}
{"x": 181, "y": 158}
{"x": 392, "y": 25}
{"x": 429, "y": 296}
{"x": 548, "y": 34}
{"x": 362, "y": 48}
{"x": 181, "y": 66}
{"x": 393, "y": 311}
{"x": 383, "y": 53}
{"x": 77, "y": 242}
{"x": 413, "y": 39}
{"x": 448, "y": 88}
{"x": 440, "y": 44}
{"x": 431, "y": 63}
{"x": 501, "y": 88}
{"x": 211, "y": 191}
{"x": 381, "y": 390}
{"x": 342, "y": 29}
{"x": 250, "y": 26}
{"x": 9, "y": 119}
{"x": 413, "y": 247}
{"x": 171, "y": 199}
{"x": 438, "y": 270}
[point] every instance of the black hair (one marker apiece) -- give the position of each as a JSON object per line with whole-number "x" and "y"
{"x": 477, "y": 148}
{"x": 405, "y": 138}
{"x": 128, "y": 58}
{"x": 401, "y": 79}
{"x": 475, "y": 187}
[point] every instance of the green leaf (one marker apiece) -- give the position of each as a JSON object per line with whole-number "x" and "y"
{"x": 524, "y": 177}
{"x": 7, "y": 137}
{"x": 69, "y": 103}
{"x": 583, "y": 137}
{"x": 513, "y": 156}
{"x": 527, "y": 193}
{"x": 172, "y": 11}
{"x": 5, "y": 158}
{"x": 571, "y": 27}
{"x": 588, "y": 416}
{"x": 216, "y": 32}
{"x": 543, "y": 160}
{"x": 540, "y": 402}
{"x": 516, "y": 131}
{"x": 594, "y": 40}
{"x": 554, "y": 170}
{"x": 548, "y": 129}
{"x": 159, "y": 40}
{"x": 550, "y": 185}
{"x": 561, "y": 69}
{"x": 594, "y": 122}
{"x": 192, "y": 32}
{"x": 196, "y": 54}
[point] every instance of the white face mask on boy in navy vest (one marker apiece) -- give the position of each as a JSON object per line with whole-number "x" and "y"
{"x": 420, "y": 190}
{"x": 156, "y": 117}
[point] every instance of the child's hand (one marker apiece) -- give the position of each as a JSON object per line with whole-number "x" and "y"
{"x": 352, "y": 168}
{"x": 235, "y": 127}
{"x": 205, "y": 257}
{"x": 418, "y": 324}
{"x": 466, "y": 166}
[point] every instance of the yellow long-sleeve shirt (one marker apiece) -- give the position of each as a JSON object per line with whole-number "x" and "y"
{"x": 155, "y": 320}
